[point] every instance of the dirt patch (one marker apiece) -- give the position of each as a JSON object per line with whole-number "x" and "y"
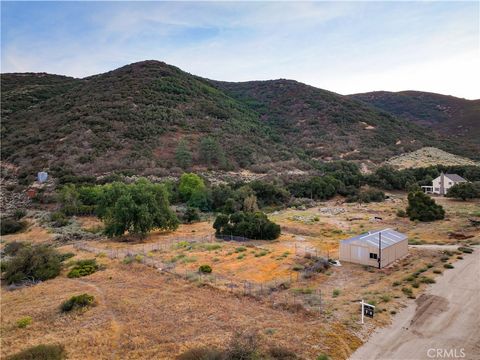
{"x": 427, "y": 306}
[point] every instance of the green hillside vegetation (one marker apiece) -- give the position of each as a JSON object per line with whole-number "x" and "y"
{"x": 447, "y": 115}
{"x": 324, "y": 125}
{"x": 134, "y": 118}
{"x": 152, "y": 118}
{"x": 22, "y": 91}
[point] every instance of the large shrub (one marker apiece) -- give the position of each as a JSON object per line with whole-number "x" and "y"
{"x": 58, "y": 219}
{"x": 205, "y": 269}
{"x": 39, "y": 262}
{"x": 422, "y": 207}
{"x": 269, "y": 194}
{"x": 12, "y": 248}
{"x": 367, "y": 196}
{"x": 79, "y": 200}
{"x": 251, "y": 225}
{"x": 41, "y": 352}
{"x": 137, "y": 208}
{"x": 77, "y": 302}
{"x": 464, "y": 191}
{"x": 83, "y": 268}
{"x": 11, "y": 226}
{"x": 191, "y": 215}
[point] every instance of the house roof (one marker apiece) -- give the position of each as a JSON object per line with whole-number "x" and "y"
{"x": 388, "y": 237}
{"x": 455, "y": 177}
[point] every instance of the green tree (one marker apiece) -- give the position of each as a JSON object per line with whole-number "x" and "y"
{"x": 89, "y": 195}
{"x": 230, "y": 206}
{"x": 200, "y": 199}
{"x": 191, "y": 186}
{"x": 191, "y": 215}
{"x": 252, "y": 225}
{"x": 211, "y": 153}
{"x": 183, "y": 155}
{"x": 137, "y": 208}
{"x": 269, "y": 194}
{"x": 464, "y": 191}
{"x": 220, "y": 194}
{"x": 422, "y": 207}
{"x": 69, "y": 198}
{"x": 317, "y": 187}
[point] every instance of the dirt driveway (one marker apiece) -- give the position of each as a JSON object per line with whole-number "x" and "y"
{"x": 443, "y": 323}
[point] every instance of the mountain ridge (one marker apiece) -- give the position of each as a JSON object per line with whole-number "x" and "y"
{"x": 134, "y": 118}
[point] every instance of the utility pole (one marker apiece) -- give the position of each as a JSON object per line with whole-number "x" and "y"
{"x": 380, "y": 250}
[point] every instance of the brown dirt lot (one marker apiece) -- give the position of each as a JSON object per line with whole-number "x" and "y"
{"x": 144, "y": 314}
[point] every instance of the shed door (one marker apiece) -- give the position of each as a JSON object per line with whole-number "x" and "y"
{"x": 359, "y": 253}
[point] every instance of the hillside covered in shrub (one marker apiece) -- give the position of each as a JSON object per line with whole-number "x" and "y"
{"x": 448, "y": 115}
{"x": 150, "y": 117}
{"x": 323, "y": 125}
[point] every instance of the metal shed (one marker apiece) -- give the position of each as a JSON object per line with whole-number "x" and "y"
{"x": 375, "y": 248}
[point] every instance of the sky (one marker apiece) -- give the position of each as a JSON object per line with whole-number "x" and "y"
{"x": 346, "y": 47}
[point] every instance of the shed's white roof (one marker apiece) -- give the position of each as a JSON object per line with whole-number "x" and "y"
{"x": 388, "y": 238}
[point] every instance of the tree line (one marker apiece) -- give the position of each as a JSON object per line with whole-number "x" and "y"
{"x": 143, "y": 206}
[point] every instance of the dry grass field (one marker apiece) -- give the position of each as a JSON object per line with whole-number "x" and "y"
{"x": 142, "y": 314}
{"x": 146, "y": 313}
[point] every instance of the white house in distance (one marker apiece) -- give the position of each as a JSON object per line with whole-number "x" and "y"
{"x": 375, "y": 248}
{"x": 441, "y": 184}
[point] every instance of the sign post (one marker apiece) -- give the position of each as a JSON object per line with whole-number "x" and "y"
{"x": 367, "y": 310}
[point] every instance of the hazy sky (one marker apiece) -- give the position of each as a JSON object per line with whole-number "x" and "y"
{"x": 346, "y": 47}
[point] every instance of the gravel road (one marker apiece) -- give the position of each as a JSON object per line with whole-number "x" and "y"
{"x": 443, "y": 323}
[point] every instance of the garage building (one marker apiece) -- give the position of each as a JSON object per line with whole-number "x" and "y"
{"x": 387, "y": 245}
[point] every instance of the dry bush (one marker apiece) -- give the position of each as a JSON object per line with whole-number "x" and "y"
{"x": 41, "y": 352}
{"x": 202, "y": 353}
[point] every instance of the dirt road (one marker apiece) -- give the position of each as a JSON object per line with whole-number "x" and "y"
{"x": 443, "y": 323}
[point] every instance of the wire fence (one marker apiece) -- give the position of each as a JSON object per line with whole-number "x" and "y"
{"x": 291, "y": 292}
{"x": 231, "y": 238}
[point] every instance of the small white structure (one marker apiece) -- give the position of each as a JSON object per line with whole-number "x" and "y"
{"x": 378, "y": 248}
{"x": 441, "y": 184}
{"x": 42, "y": 176}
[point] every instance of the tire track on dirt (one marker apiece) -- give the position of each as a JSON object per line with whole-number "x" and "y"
{"x": 115, "y": 324}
